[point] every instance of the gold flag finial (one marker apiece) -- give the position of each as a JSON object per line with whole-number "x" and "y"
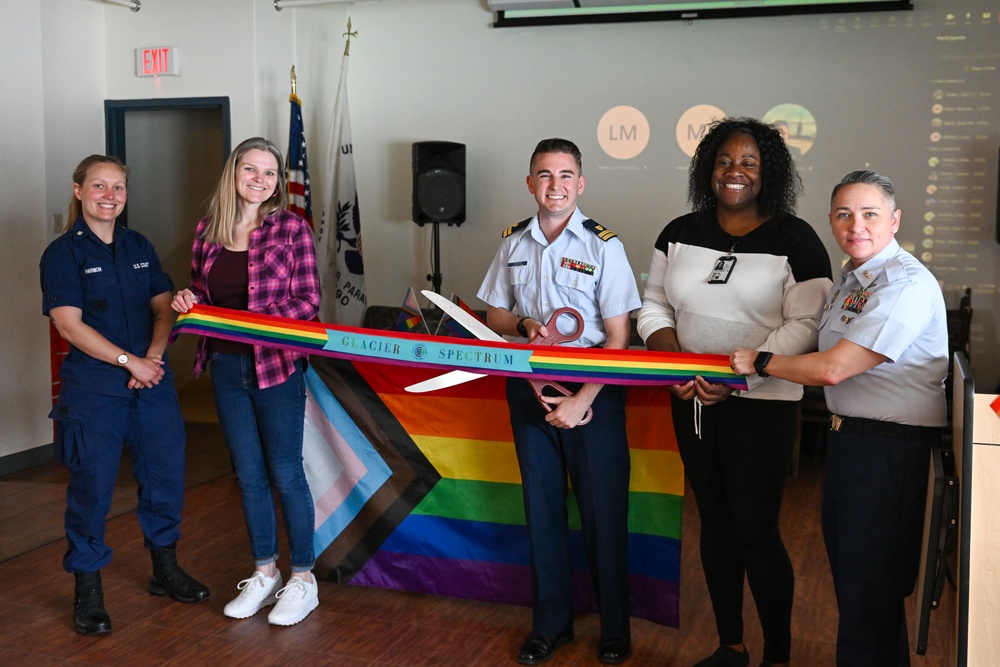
{"x": 294, "y": 81}
{"x": 349, "y": 34}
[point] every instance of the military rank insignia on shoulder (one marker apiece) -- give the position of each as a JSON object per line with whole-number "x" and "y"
{"x": 602, "y": 232}
{"x": 515, "y": 228}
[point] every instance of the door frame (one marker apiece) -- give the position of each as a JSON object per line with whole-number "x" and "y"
{"x": 114, "y": 123}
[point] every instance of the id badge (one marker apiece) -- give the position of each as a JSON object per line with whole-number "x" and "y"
{"x": 723, "y": 269}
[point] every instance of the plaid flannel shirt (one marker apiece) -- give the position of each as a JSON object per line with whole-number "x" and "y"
{"x": 284, "y": 281}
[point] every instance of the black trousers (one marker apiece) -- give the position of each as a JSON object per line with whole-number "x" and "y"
{"x": 874, "y": 492}
{"x": 737, "y": 468}
{"x": 596, "y": 459}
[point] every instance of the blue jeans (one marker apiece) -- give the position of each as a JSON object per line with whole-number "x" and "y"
{"x": 263, "y": 428}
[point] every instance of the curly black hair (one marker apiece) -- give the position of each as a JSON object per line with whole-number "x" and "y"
{"x": 780, "y": 184}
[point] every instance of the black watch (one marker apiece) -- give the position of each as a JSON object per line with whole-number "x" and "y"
{"x": 521, "y": 329}
{"x": 761, "y": 361}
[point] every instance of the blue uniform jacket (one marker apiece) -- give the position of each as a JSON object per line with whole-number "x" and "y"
{"x": 113, "y": 286}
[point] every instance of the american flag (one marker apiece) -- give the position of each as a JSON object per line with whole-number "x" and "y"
{"x": 299, "y": 199}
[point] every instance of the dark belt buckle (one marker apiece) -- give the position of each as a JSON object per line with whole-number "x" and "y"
{"x": 835, "y": 422}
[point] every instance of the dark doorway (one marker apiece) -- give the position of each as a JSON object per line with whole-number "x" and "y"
{"x": 175, "y": 150}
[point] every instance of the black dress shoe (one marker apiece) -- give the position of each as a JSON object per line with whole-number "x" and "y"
{"x": 614, "y": 651}
{"x": 726, "y": 657}
{"x": 537, "y": 650}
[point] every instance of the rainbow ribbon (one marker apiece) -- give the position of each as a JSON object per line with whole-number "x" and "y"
{"x": 560, "y": 363}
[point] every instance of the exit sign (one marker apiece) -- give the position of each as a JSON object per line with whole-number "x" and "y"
{"x": 157, "y": 61}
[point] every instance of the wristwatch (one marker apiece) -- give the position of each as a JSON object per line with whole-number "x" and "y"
{"x": 760, "y": 363}
{"x": 521, "y": 329}
{"x": 122, "y": 359}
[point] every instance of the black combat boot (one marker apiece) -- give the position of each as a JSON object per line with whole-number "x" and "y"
{"x": 88, "y": 605}
{"x": 170, "y": 579}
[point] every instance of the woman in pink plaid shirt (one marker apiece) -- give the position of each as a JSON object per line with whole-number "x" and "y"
{"x": 250, "y": 253}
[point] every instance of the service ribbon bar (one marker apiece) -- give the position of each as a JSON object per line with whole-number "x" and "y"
{"x": 573, "y": 364}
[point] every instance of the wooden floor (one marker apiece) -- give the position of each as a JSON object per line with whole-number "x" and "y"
{"x": 354, "y": 626}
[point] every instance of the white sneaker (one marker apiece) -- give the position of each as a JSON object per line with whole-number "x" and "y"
{"x": 295, "y": 601}
{"x": 256, "y": 593}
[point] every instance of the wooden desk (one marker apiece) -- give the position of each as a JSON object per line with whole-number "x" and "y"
{"x": 978, "y": 609}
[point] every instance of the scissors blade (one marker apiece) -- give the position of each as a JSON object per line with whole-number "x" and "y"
{"x": 471, "y": 324}
{"x": 449, "y": 379}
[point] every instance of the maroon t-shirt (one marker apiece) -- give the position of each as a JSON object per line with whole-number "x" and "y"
{"x": 227, "y": 283}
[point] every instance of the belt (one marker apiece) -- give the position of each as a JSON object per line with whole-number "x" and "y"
{"x": 883, "y": 429}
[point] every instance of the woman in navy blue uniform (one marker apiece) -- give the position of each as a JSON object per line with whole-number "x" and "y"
{"x": 103, "y": 287}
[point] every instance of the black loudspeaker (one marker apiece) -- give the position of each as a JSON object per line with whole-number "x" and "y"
{"x": 438, "y": 182}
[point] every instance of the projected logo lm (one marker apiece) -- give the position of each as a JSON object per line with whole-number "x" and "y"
{"x": 623, "y": 132}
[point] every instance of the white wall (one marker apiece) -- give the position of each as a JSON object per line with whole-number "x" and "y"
{"x": 224, "y": 51}
{"x": 25, "y": 392}
{"x": 73, "y": 84}
{"x": 62, "y": 59}
{"x": 438, "y": 70}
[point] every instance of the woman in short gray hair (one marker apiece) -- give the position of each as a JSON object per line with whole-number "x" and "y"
{"x": 886, "y": 419}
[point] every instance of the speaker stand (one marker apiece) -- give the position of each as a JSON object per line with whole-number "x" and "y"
{"x": 435, "y": 277}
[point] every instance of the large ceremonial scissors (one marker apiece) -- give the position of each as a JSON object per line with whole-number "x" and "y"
{"x": 483, "y": 332}
{"x": 556, "y": 337}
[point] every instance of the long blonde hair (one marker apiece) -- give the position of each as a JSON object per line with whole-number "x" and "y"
{"x": 222, "y": 207}
{"x": 80, "y": 175}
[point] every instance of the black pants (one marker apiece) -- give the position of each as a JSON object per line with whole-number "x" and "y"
{"x": 596, "y": 459}
{"x": 737, "y": 470}
{"x": 873, "y": 517}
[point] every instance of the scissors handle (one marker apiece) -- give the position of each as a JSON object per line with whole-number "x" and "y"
{"x": 539, "y": 385}
{"x": 554, "y": 336}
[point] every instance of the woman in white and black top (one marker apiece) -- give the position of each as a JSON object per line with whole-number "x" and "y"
{"x": 740, "y": 271}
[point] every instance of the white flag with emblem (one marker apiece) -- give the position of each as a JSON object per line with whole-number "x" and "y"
{"x": 338, "y": 244}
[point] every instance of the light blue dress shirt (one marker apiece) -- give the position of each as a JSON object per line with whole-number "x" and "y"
{"x": 891, "y": 305}
{"x": 584, "y": 268}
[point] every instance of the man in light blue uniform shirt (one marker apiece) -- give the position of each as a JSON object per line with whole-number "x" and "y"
{"x": 555, "y": 259}
{"x": 883, "y": 358}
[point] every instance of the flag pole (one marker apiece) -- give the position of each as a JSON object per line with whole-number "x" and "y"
{"x": 339, "y": 245}
{"x": 296, "y": 162}
{"x": 349, "y": 34}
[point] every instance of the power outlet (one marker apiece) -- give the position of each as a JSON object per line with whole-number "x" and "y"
{"x": 57, "y": 223}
